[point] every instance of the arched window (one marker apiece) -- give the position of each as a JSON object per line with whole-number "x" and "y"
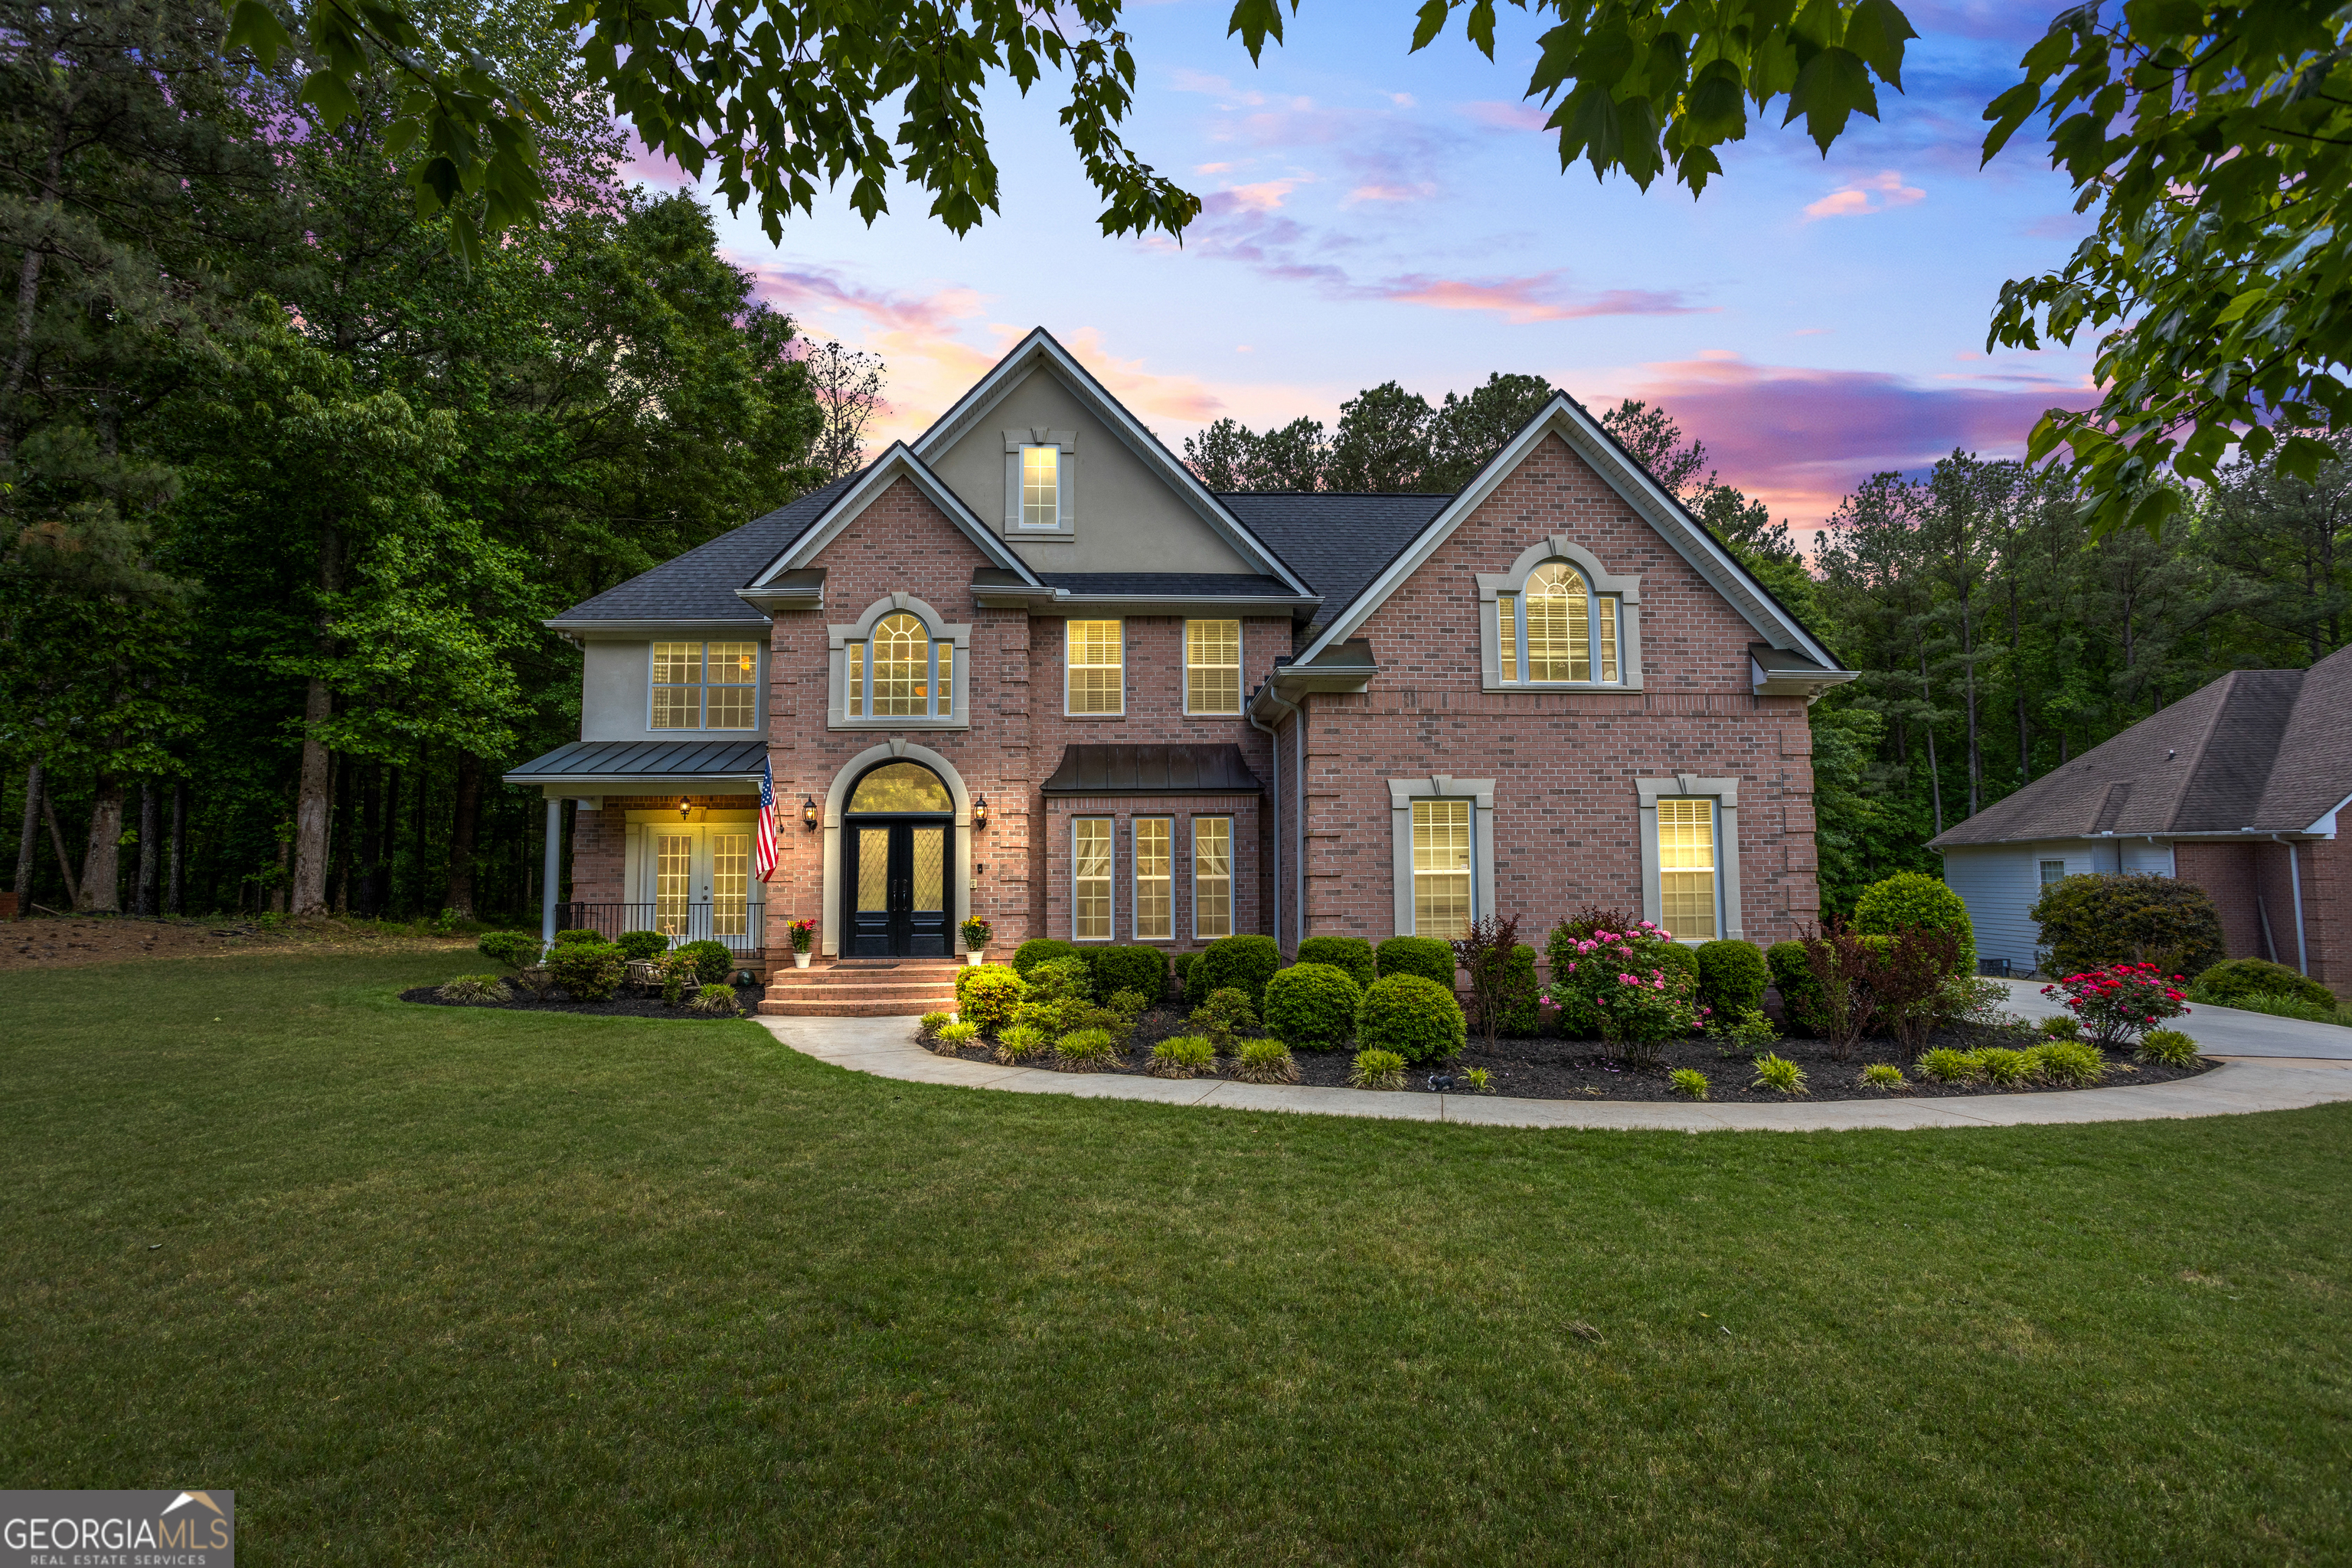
{"x": 900, "y": 671}
{"x": 1557, "y": 631}
{"x": 900, "y": 787}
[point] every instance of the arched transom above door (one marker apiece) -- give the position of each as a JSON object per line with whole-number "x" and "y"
{"x": 901, "y": 786}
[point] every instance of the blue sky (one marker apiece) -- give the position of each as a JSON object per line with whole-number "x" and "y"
{"x": 1377, "y": 215}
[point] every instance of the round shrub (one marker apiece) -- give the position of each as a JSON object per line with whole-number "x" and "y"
{"x": 1040, "y": 950}
{"x": 515, "y": 948}
{"x": 1423, "y": 955}
{"x": 1312, "y": 1005}
{"x": 1242, "y": 963}
{"x": 1133, "y": 968}
{"x": 1183, "y": 965}
{"x": 588, "y": 970}
{"x": 1659, "y": 953}
{"x": 2234, "y": 979}
{"x": 713, "y": 961}
{"x": 1353, "y": 953}
{"x": 1061, "y": 980}
{"x": 1732, "y": 975}
{"x": 577, "y": 935}
{"x": 1910, "y": 899}
{"x": 2097, "y": 921}
{"x": 1412, "y": 1015}
{"x": 1801, "y": 995}
{"x": 986, "y": 994}
{"x": 641, "y": 943}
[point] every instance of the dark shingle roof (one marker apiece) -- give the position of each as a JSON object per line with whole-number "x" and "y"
{"x": 700, "y": 584}
{"x": 2264, "y": 749}
{"x": 1337, "y": 543}
{"x": 700, "y": 756}
{"x": 1173, "y": 584}
{"x": 1153, "y": 770}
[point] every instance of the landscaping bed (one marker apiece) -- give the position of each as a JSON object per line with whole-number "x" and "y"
{"x": 1585, "y": 1069}
{"x": 648, "y": 1005}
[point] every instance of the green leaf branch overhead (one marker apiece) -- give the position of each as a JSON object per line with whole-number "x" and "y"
{"x": 2215, "y": 143}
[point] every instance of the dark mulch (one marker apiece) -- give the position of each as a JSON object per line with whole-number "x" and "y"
{"x": 625, "y": 1005}
{"x": 1583, "y": 1070}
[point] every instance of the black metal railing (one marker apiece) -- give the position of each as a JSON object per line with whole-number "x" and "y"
{"x": 736, "y": 924}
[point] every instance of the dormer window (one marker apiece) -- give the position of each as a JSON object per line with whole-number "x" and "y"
{"x": 1041, "y": 487}
{"x": 901, "y": 671}
{"x": 1557, "y": 631}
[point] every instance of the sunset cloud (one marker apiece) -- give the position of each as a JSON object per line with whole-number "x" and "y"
{"x": 1874, "y": 193}
{"x": 1507, "y": 116}
{"x": 1262, "y": 198}
{"x": 1541, "y": 297}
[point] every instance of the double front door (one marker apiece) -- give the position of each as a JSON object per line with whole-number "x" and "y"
{"x": 897, "y": 881}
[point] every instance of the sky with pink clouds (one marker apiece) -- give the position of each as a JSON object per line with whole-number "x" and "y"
{"x": 1373, "y": 215}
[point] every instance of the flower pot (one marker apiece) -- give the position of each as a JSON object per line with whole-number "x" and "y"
{"x": 975, "y": 957}
{"x": 800, "y": 958}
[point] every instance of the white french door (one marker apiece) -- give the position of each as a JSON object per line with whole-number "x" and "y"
{"x": 698, "y": 878}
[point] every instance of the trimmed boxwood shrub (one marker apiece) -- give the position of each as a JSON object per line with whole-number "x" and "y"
{"x": 1423, "y": 955}
{"x": 588, "y": 970}
{"x": 1800, "y": 997}
{"x": 1412, "y": 1015}
{"x": 1242, "y": 963}
{"x": 1673, "y": 955}
{"x": 1060, "y": 979}
{"x": 713, "y": 961}
{"x": 986, "y": 993}
{"x": 1911, "y": 898}
{"x": 515, "y": 948}
{"x": 1183, "y": 965}
{"x": 1519, "y": 1012}
{"x": 1133, "y": 968}
{"x": 2235, "y": 979}
{"x": 641, "y": 943}
{"x": 577, "y": 935}
{"x": 2096, "y": 921}
{"x": 1040, "y": 950}
{"x": 1312, "y": 1007}
{"x": 1353, "y": 953}
{"x": 1732, "y": 975}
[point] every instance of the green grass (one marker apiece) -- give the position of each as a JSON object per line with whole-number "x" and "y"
{"x": 435, "y": 1285}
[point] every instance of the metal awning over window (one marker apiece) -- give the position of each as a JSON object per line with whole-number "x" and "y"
{"x": 1153, "y": 770}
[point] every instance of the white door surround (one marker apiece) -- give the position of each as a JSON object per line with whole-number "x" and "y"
{"x": 838, "y": 797}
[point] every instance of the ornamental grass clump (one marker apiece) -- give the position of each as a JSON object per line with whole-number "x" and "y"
{"x": 932, "y": 1023}
{"x": 1086, "y": 1050}
{"x": 475, "y": 990}
{"x": 716, "y": 999}
{"x": 2070, "y": 1064}
{"x": 1019, "y": 1043}
{"x": 1312, "y": 1007}
{"x": 1266, "y": 1062}
{"x": 1688, "y": 1082}
{"x": 2119, "y": 1004}
{"x": 1478, "y": 1081}
{"x": 1376, "y": 1068}
{"x": 2003, "y": 1068}
{"x": 1781, "y": 1073}
{"x": 2169, "y": 1048}
{"x": 1882, "y": 1075}
{"x": 1183, "y": 1055}
{"x": 1945, "y": 1064}
{"x": 960, "y": 1033}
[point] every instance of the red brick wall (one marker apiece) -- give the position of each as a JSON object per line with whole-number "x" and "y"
{"x": 2226, "y": 873}
{"x": 2235, "y": 875}
{"x": 1567, "y": 828}
{"x": 600, "y": 840}
{"x": 2327, "y": 911}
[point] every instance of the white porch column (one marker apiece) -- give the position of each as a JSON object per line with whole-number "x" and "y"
{"x": 554, "y": 871}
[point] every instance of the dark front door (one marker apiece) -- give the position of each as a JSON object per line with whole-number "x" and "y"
{"x": 897, "y": 884}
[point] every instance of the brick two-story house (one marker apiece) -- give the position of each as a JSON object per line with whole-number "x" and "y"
{"x": 1027, "y": 668}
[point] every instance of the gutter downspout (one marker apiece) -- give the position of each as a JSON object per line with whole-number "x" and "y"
{"x": 2295, "y": 890}
{"x": 1274, "y": 744}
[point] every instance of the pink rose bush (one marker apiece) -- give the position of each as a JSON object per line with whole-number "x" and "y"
{"x": 2119, "y": 1004}
{"x": 1607, "y": 983}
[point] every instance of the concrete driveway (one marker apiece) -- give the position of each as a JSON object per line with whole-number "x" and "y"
{"x": 2219, "y": 1031}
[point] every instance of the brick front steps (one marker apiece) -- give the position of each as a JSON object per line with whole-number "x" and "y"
{"x": 863, "y": 988}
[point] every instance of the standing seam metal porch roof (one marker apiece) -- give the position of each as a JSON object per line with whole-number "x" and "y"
{"x": 1153, "y": 770}
{"x": 700, "y": 757}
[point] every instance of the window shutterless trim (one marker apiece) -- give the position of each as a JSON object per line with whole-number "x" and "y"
{"x": 950, "y": 669}
{"x": 1069, "y": 670}
{"x": 701, "y": 686}
{"x": 1109, "y": 878}
{"x": 1502, "y": 601}
{"x": 1136, "y": 825}
{"x": 1725, "y": 795}
{"x": 1240, "y": 657}
{"x": 1231, "y": 879}
{"x": 1403, "y": 792}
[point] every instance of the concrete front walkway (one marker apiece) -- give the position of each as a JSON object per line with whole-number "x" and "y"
{"x": 2218, "y": 1031}
{"x": 888, "y": 1048}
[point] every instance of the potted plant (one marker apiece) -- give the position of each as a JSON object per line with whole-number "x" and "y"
{"x": 976, "y": 933}
{"x": 803, "y": 932}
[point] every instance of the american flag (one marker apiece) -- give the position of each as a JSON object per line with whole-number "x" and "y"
{"x": 767, "y": 847}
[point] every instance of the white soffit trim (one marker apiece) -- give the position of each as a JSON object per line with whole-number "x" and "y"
{"x": 892, "y": 464}
{"x": 1039, "y": 347}
{"x": 1566, "y": 419}
{"x": 2325, "y": 828}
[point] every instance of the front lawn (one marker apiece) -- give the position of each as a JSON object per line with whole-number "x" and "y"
{"x": 425, "y": 1284}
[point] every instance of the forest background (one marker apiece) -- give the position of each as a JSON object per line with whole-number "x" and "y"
{"x": 287, "y": 493}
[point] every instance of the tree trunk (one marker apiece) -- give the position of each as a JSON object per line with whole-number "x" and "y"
{"x": 366, "y": 893}
{"x": 151, "y": 829}
{"x": 176, "y": 896}
{"x": 313, "y": 803}
{"x": 423, "y": 792}
{"x": 101, "y": 865}
{"x": 462, "y": 823}
{"x": 1935, "y": 778}
{"x": 58, "y": 843}
{"x": 27, "y": 839}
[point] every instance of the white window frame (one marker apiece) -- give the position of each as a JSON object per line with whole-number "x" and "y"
{"x": 1724, "y": 793}
{"x": 1135, "y": 878}
{"x": 1403, "y": 792}
{"x": 703, "y": 684}
{"x": 1110, "y": 877}
{"x": 1069, "y": 668}
{"x": 1241, "y": 658}
{"x": 955, "y": 690}
{"x": 1233, "y": 877}
{"x": 1599, "y": 584}
{"x": 2043, "y": 881}
{"x": 1065, "y": 525}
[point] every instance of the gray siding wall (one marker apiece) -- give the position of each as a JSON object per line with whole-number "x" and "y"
{"x": 2001, "y": 882}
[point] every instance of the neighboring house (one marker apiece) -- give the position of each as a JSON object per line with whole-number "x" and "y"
{"x": 1027, "y": 668}
{"x": 2239, "y": 787}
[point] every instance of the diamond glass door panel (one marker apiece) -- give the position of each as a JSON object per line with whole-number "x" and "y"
{"x": 898, "y": 881}
{"x": 672, "y": 881}
{"x": 927, "y": 913}
{"x": 730, "y": 884}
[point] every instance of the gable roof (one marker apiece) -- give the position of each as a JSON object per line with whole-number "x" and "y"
{"x": 1039, "y": 351}
{"x": 2258, "y": 751}
{"x": 700, "y": 584}
{"x": 897, "y": 462}
{"x": 1339, "y": 540}
{"x": 1566, "y": 418}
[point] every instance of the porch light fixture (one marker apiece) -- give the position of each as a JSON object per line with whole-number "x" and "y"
{"x": 809, "y": 814}
{"x": 979, "y": 812}
{"x": 685, "y": 808}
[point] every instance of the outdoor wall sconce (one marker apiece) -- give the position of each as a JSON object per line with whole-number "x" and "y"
{"x": 809, "y": 814}
{"x": 979, "y": 812}
{"x": 685, "y": 808}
